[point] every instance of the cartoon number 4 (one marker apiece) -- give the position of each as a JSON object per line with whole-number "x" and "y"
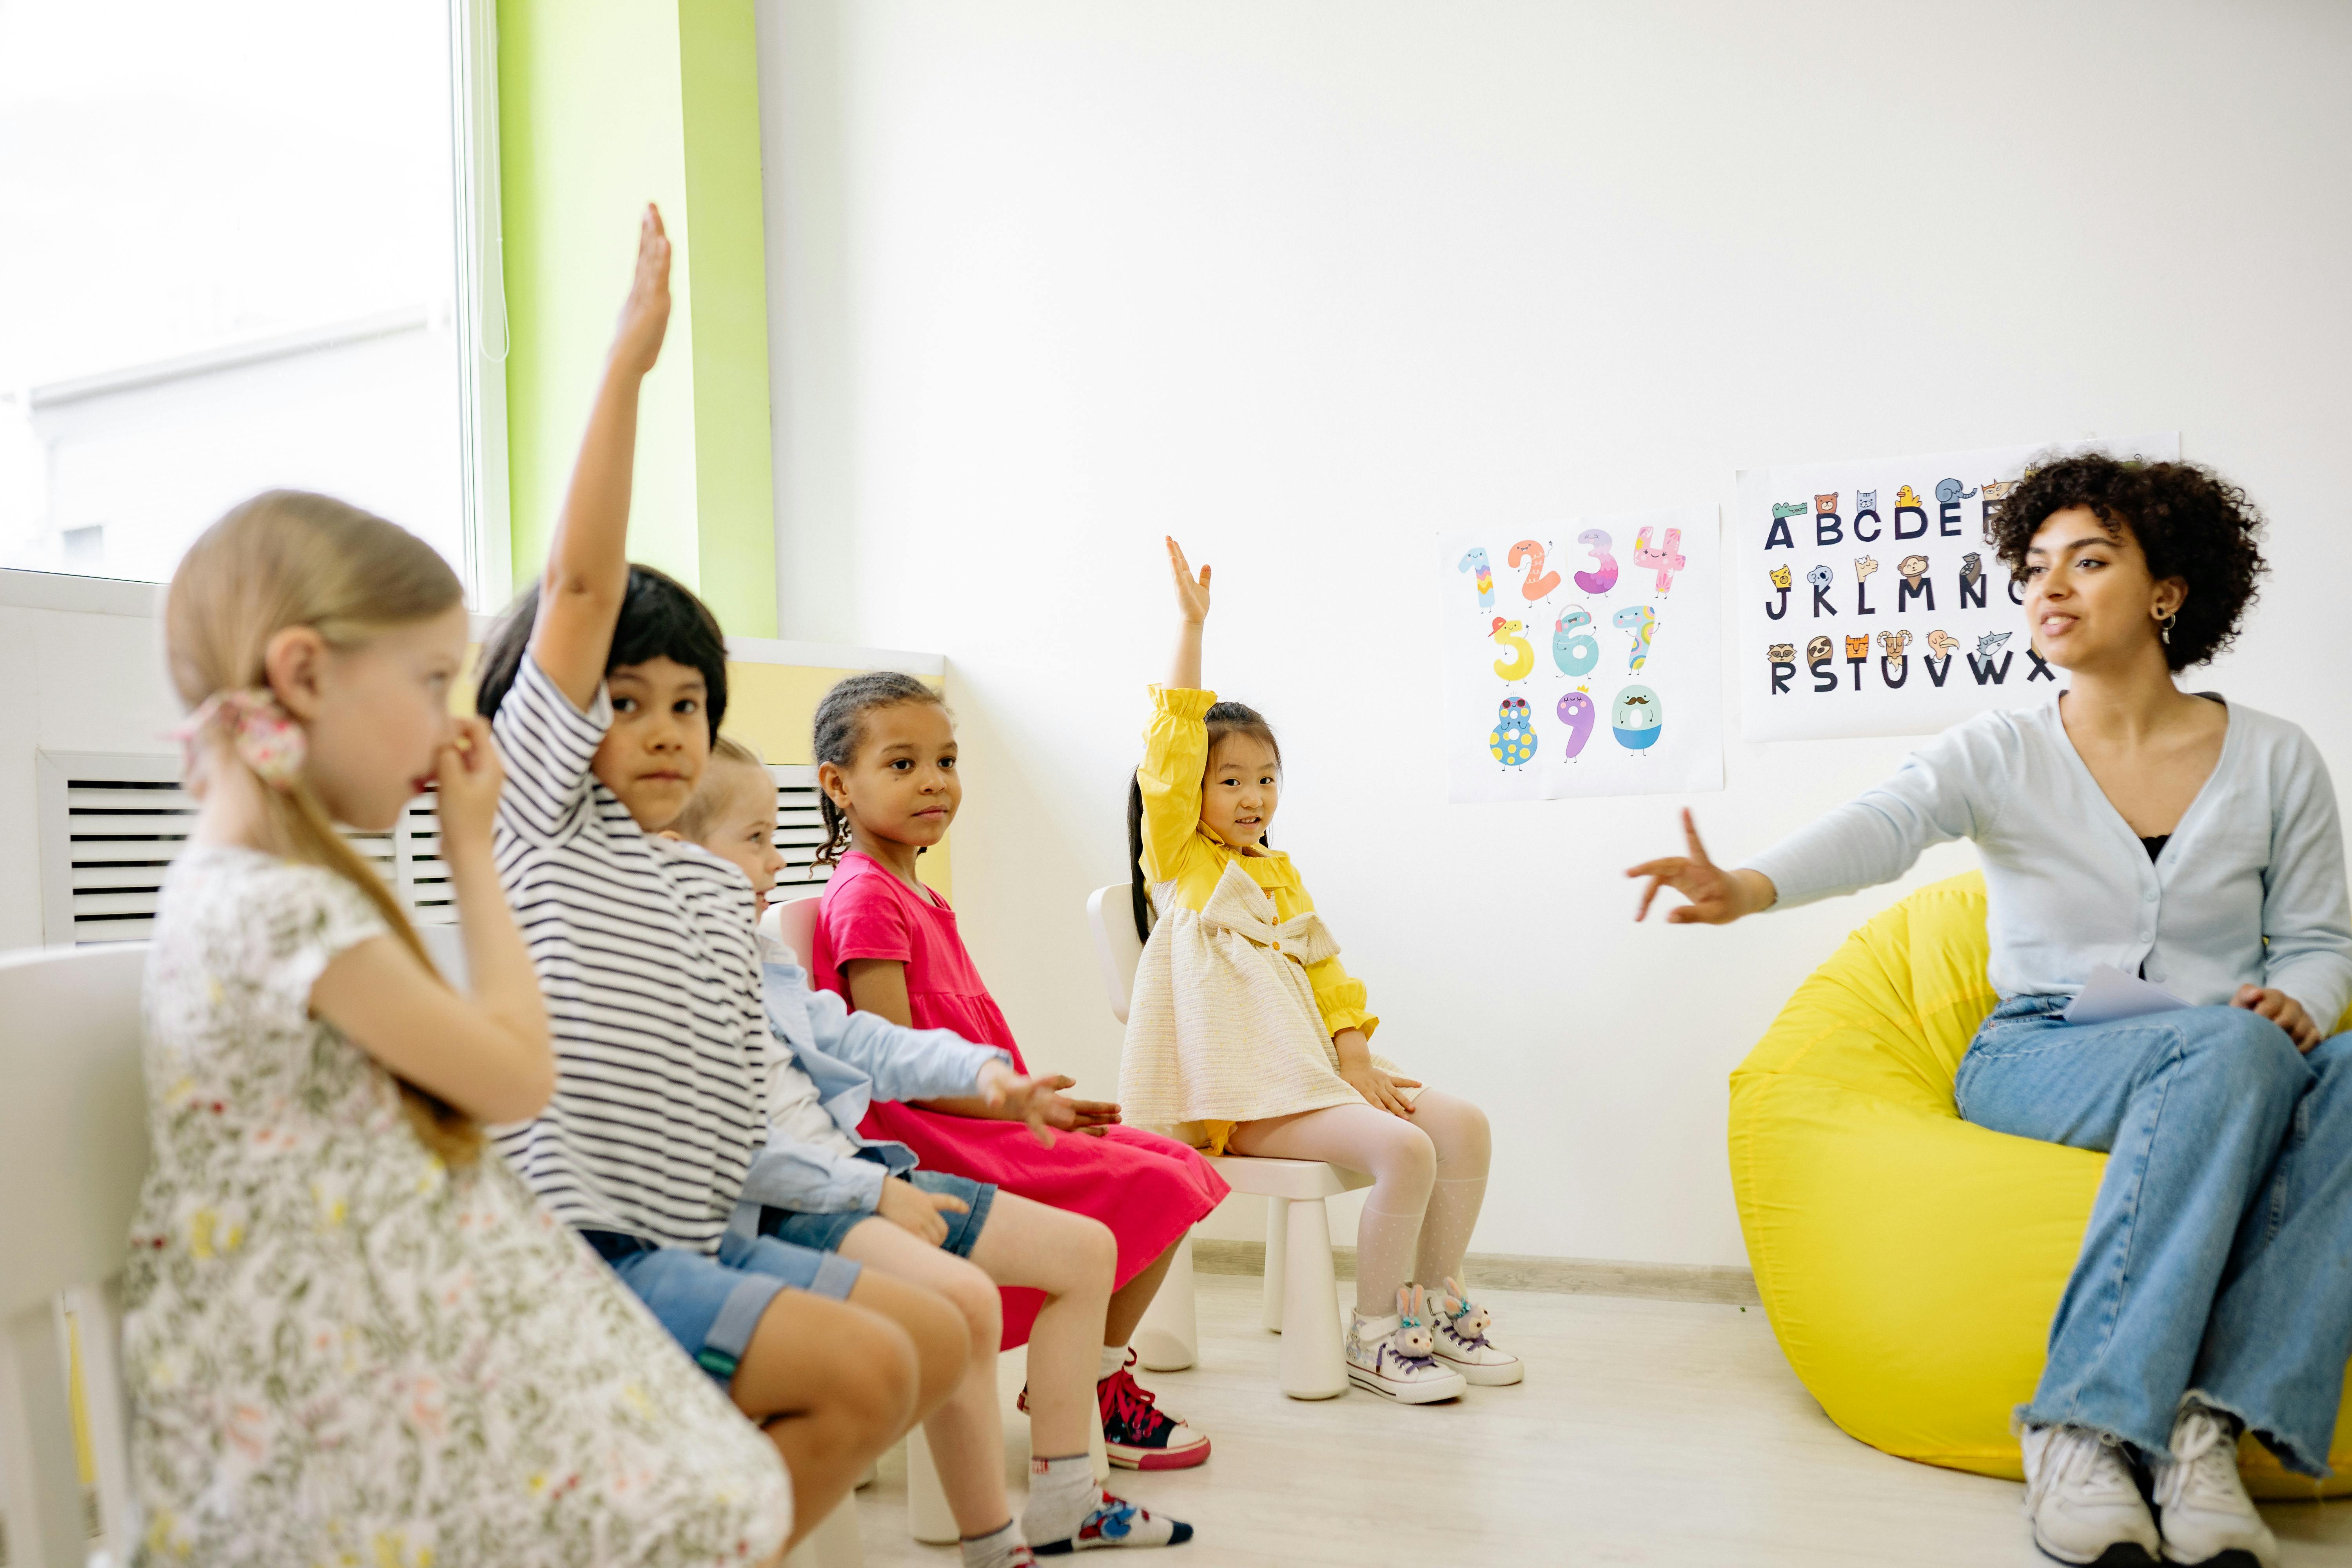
{"x": 1666, "y": 563}
{"x": 1540, "y": 582}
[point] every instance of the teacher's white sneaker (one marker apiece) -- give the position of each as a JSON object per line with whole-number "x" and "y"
{"x": 2208, "y": 1517}
{"x": 2083, "y": 1503}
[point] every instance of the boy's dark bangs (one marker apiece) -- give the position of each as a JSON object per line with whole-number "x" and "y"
{"x": 661, "y": 617}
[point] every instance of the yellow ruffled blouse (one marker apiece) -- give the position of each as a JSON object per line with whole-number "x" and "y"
{"x": 1239, "y": 988}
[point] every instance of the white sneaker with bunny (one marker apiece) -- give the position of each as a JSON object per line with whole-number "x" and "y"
{"x": 1395, "y": 1356}
{"x": 1459, "y": 1330}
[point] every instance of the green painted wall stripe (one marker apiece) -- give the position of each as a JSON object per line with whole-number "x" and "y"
{"x": 734, "y": 477}
{"x": 604, "y": 106}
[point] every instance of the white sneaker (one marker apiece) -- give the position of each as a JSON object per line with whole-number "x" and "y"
{"x": 2083, "y": 1503}
{"x": 1392, "y": 1356}
{"x": 2208, "y": 1517}
{"x": 1459, "y": 1331}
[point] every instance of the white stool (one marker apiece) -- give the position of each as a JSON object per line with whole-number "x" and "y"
{"x": 1302, "y": 1301}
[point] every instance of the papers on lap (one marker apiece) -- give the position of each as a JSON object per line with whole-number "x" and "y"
{"x": 2111, "y": 994}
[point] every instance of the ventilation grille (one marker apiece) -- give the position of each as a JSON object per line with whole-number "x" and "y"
{"x": 112, "y": 825}
{"x": 800, "y": 832}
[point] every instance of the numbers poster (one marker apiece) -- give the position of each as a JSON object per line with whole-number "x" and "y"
{"x": 1583, "y": 657}
{"x": 1870, "y": 601}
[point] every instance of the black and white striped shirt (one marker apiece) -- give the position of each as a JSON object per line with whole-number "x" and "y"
{"x": 646, "y": 955}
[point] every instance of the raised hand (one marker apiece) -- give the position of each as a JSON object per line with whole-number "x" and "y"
{"x": 1191, "y": 594}
{"x": 1717, "y": 897}
{"x": 645, "y": 314}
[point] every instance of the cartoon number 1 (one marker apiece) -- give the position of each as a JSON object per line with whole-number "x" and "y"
{"x": 1476, "y": 560}
{"x": 1536, "y": 586}
{"x": 1665, "y": 563}
{"x": 1603, "y": 577}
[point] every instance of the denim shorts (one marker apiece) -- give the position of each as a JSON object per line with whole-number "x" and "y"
{"x": 710, "y": 1305}
{"x": 825, "y": 1231}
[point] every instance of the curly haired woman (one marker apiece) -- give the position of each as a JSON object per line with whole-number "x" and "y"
{"x": 2128, "y": 823}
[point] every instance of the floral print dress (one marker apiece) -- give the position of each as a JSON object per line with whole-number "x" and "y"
{"x": 340, "y": 1350}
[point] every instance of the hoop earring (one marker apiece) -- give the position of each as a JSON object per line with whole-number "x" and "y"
{"x": 2164, "y": 627}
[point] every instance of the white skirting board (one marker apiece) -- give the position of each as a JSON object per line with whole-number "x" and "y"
{"x": 1503, "y": 1271}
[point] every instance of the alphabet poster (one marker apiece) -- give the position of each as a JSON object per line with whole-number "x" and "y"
{"x": 1870, "y": 603}
{"x": 1583, "y": 657}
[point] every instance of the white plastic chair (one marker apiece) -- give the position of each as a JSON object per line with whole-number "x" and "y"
{"x": 73, "y": 1150}
{"x": 1301, "y": 1288}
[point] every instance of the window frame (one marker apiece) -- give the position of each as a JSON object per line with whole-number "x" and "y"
{"x": 479, "y": 304}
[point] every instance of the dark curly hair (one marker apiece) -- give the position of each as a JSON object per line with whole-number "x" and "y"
{"x": 839, "y": 729}
{"x": 2191, "y": 524}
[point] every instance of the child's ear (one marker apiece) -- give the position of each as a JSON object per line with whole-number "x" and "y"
{"x": 837, "y": 788}
{"x": 291, "y": 664}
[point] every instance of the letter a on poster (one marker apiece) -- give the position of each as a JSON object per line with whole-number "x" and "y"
{"x": 1583, "y": 657}
{"x": 1870, "y": 600}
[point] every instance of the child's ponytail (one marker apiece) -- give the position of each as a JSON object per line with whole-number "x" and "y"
{"x": 289, "y": 558}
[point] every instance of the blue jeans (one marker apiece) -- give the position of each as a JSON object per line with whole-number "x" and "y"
{"x": 2219, "y": 1257}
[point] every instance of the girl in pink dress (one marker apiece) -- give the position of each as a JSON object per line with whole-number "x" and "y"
{"x": 885, "y": 752}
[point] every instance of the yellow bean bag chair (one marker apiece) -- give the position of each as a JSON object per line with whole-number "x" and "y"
{"x": 1910, "y": 1262}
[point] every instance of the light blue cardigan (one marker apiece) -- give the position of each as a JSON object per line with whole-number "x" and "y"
{"x": 2249, "y": 889}
{"x": 855, "y": 1059}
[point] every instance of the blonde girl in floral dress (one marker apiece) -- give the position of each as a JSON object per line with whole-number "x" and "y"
{"x": 354, "y": 1337}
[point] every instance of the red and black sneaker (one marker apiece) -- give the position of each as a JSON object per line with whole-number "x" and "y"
{"x": 1138, "y": 1434}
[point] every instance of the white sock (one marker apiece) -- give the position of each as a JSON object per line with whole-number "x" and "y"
{"x": 1062, "y": 1493}
{"x": 993, "y": 1550}
{"x": 1113, "y": 1357}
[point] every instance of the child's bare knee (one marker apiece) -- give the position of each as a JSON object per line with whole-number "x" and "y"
{"x": 974, "y": 1296}
{"x": 876, "y": 1374}
{"x": 943, "y": 1339}
{"x": 1097, "y": 1251}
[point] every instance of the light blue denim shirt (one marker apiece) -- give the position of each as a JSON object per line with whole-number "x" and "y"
{"x": 2249, "y": 889}
{"x": 854, "y": 1060}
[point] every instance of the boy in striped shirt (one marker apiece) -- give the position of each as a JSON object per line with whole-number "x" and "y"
{"x": 605, "y": 685}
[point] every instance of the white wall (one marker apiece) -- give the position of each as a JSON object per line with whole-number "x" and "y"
{"x": 1303, "y": 282}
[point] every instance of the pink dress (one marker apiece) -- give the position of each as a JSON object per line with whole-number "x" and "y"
{"x": 1148, "y": 1189}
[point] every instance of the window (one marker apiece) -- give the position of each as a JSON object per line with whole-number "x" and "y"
{"x": 252, "y": 243}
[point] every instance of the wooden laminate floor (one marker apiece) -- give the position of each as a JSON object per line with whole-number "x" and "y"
{"x": 1647, "y": 1432}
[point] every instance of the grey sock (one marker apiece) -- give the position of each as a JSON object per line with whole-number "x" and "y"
{"x": 1062, "y": 1493}
{"x": 995, "y": 1549}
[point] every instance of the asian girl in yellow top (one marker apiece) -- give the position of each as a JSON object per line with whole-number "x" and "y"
{"x": 1246, "y": 1035}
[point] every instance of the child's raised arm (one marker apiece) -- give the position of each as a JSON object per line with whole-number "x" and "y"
{"x": 588, "y": 563}
{"x": 1191, "y": 609}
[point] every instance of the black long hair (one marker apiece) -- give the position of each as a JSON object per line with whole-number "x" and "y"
{"x": 840, "y": 729}
{"x": 1223, "y": 719}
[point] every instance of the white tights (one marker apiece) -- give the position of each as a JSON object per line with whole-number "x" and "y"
{"x": 1429, "y": 1178}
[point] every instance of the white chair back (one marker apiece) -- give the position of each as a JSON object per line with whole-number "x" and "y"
{"x": 793, "y": 923}
{"x": 1111, "y": 912}
{"x": 73, "y": 1152}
